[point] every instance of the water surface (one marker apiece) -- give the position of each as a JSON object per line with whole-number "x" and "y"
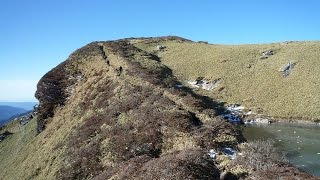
{"x": 300, "y": 143}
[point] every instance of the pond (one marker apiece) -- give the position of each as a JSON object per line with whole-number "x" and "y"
{"x": 301, "y": 143}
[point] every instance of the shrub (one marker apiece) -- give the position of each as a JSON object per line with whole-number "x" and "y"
{"x": 260, "y": 155}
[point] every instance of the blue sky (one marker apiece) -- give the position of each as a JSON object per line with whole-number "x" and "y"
{"x": 36, "y": 35}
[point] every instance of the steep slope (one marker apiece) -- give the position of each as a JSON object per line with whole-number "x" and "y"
{"x": 250, "y": 74}
{"x": 113, "y": 111}
{"x": 95, "y": 120}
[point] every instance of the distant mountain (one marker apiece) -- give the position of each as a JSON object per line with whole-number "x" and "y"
{"x": 8, "y": 112}
{"x": 23, "y": 105}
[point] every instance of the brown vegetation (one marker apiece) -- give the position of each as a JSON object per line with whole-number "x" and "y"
{"x": 260, "y": 155}
{"x": 138, "y": 126}
{"x": 97, "y": 123}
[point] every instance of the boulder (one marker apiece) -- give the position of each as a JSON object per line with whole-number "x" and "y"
{"x": 262, "y": 121}
{"x": 229, "y": 152}
{"x": 212, "y": 153}
{"x": 286, "y": 69}
{"x": 160, "y": 47}
{"x": 266, "y": 54}
{"x": 206, "y": 85}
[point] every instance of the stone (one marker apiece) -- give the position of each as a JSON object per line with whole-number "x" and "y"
{"x": 212, "y": 153}
{"x": 266, "y": 54}
{"x": 233, "y": 113}
{"x": 229, "y": 152}
{"x": 262, "y": 121}
{"x": 160, "y": 47}
{"x": 206, "y": 85}
{"x": 286, "y": 69}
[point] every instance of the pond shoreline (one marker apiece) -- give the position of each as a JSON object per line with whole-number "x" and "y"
{"x": 298, "y": 139}
{"x": 286, "y": 121}
{"x": 297, "y": 122}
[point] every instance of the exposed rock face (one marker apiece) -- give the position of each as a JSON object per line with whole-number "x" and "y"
{"x": 54, "y": 87}
{"x": 51, "y": 93}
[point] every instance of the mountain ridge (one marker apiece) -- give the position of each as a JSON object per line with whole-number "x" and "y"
{"x": 114, "y": 111}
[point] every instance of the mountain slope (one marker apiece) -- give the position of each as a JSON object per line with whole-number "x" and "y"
{"x": 7, "y": 112}
{"x": 248, "y": 77}
{"x": 24, "y": 105}
{"x": 113, "y": 111}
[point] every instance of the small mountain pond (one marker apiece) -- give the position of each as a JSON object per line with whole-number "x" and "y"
{"x": 301, "y": 143}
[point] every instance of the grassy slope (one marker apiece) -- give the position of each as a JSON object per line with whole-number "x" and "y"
{"x": 258, "y": 87}
{"x": 40, "y": 157}
{"x": 27, "y": 156}
{"x": 14, "y": 147}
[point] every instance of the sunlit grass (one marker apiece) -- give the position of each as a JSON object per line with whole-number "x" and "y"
{"x": 256, "y": 83}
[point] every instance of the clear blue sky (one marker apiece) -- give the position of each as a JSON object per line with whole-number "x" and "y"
{"x": 36, "y": 35}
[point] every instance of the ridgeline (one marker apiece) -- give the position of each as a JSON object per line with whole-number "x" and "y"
{"x": 122, "y": 110}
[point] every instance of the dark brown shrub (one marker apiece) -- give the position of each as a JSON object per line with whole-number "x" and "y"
{"x": 261, "y": 155}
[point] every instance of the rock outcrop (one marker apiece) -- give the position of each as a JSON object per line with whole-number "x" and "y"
{"x": 54, "y": 87}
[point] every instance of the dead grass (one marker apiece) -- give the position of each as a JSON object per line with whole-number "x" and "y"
{"x": 178, "y": 142}
{"x": 249, "y": 80}
{"x": 13, "y": 149}
{"x": 136, "y": 120}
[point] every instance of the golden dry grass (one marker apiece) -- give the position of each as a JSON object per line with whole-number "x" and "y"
{"x": 249, "y": 80}
{"x": 25, "y": 155}
{"x": 42, "y": 156}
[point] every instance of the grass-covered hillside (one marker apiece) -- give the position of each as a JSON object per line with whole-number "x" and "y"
{"x": 245, "y": 77}
{"x": 114, "y": 111}
{"x": 99, "y": 121}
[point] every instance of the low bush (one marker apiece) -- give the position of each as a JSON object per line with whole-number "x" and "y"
{"x": 260, "y": 155}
